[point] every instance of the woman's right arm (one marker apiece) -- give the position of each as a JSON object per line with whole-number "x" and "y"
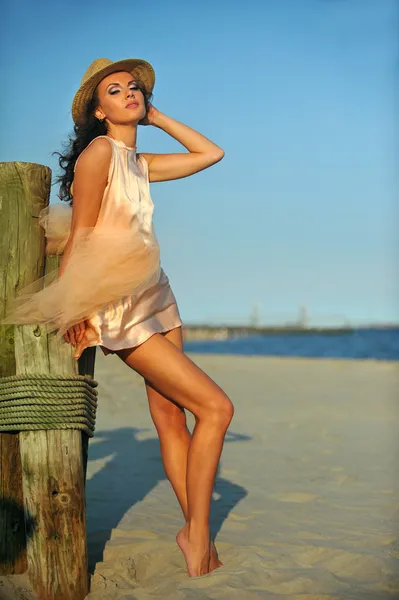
{"x": 89, "y": 183}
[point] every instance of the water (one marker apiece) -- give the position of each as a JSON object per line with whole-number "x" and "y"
{"x": 378, "y": 344}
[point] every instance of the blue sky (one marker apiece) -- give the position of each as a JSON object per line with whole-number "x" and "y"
{"x": 300, "y": 94}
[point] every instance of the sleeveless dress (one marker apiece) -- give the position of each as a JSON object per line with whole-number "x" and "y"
{"x": 113, "y": 277}
{"x": 131, "y": 320}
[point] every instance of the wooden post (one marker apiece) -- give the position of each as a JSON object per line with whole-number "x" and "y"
{"x": 52, "y": 463}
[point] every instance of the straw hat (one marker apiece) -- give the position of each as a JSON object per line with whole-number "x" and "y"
{"x": 100, "y": 68}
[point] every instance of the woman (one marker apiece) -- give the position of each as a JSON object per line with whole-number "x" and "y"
{"x": 114, "y": 98}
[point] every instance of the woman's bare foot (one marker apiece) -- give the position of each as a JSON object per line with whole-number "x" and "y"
{"x": 197, "y": 554}
{"x": 214, "y": 562}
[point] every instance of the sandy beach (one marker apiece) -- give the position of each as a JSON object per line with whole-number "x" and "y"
{"x": 306, "y": 498}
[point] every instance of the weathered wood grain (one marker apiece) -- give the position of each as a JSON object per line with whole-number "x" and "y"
{"x": 53, "y": 463}
{"x": 24, "y": 189}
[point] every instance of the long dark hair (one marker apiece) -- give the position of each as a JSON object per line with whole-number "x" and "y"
{"x": 82, "y": 135}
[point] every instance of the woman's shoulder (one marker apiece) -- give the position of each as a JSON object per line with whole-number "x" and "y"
{"x": 100, "y": 146}
{"x": 99, "y": 149}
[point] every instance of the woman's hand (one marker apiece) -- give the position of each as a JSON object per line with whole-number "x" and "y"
{"x": 151, "y": 116}
{"x": 75, "y": 334}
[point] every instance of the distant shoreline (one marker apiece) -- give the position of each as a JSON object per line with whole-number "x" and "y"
{"x": 224, "y": 332}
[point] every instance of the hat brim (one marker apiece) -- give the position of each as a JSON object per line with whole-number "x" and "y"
{"x": 137, "y": 67}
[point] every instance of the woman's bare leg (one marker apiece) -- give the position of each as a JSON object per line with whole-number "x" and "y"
{"x": 174, "y": 375}
{"x": 170, "y": 422}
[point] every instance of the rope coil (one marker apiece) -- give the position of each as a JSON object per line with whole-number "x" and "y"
{"x": 44, "y": 401}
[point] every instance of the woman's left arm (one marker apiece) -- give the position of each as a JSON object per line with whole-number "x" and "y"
{"x": 202, "y": 153}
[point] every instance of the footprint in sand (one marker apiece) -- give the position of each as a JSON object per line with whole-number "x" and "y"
{"x": 298, "y": 497}
{"x": 140, "y": 534}
{"x": 311, "y": 535}
{"x": 342, "y": 563}
{"x": 236, "y": 526}
{"x": 237, "y": 517}
{"x": 344, "y": 479}
{"x": 238, "y": 522}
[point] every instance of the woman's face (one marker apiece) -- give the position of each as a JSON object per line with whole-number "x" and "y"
{"x": 120, "y": 100}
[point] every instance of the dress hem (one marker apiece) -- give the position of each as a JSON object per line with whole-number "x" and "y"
{"x": 147, "y": 337}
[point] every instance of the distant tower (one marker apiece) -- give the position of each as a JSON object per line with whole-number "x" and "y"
{"x": 303, "y": 320}
{"x": 254, "y": 320}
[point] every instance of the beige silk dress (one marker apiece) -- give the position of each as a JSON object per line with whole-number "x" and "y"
{"x": 131, "y": 320}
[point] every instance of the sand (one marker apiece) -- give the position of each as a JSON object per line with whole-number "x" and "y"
{"x": 306, "y": 498}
